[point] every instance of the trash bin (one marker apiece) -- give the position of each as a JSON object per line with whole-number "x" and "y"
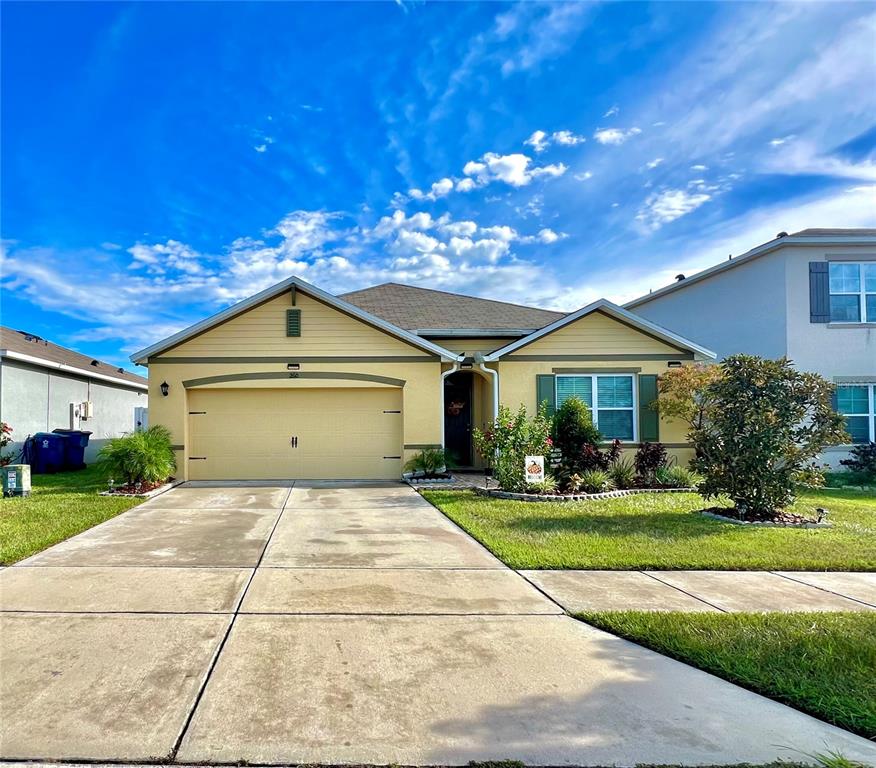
{"x": 47, "y": 453}
{"x": 75, "y": 442}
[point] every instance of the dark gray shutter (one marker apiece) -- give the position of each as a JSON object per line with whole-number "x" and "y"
{"x": 545, "y": 390}
{"x": 649, "y": 419}
{"x": 819, "y": 292}
{"x": 293, "y": 322}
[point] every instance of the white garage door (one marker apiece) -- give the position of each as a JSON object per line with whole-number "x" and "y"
{"x": 275, "y": 434}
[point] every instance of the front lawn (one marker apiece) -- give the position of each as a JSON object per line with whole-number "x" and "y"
{"x": 821, "y": 663}
{"x": 660, "y": 531}
{"x": 60, "y": 506}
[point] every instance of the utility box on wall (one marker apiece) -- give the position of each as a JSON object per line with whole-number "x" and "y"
{"x": 16, "y": 480}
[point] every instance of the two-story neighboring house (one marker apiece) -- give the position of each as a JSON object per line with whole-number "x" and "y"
{"x": 809, "y": 296}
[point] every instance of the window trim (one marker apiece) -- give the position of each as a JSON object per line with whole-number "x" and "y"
{"x": 862, "y": 293}
{"x": 871, "y": 405}
{"x": 594, "y": 410}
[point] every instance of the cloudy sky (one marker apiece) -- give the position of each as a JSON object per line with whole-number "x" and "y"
{"x": 161, "y": 161}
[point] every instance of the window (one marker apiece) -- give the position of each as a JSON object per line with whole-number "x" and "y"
{"x": 857, "y": 402}
{"x": 615, "y": 403}
{"x": 852, "y": 292}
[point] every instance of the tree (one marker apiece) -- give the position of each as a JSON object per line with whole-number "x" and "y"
{"x": 682, "y": 393}
{"x": 763, "y": 424}
{"x": 574, "y": 435}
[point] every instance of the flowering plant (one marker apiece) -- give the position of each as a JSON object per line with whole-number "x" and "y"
{"x": 5, "y": 431}
{"x": 509, "y": 439}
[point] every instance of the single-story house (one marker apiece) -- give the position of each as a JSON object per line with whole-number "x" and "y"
{"x": 44, "y": 386}
{"x": 297, "y": 383}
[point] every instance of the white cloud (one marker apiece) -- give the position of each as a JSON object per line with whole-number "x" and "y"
{"x": 261, "y": 148}
{"x": 567, "y": 138}
{"x": 663, "y": 207}
{"x": 548, "y": 31}
{"x": 612, "y": 111}
{"x": 615, "y": 136}
{"x": 584, "y": 176}
{"x": 548, "y": 236}
{"x": 440, "y": 188}
{"x": 513, "y": 169}
{"x": 699, "y": 168}
{"x": 654, "y": 163}
{"x": 465, "y": 185}
{"x": 777, "y": 142}
{"x": 538, "y": 141}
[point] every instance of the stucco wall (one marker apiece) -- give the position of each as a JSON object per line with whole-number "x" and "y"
{"x": 739, "y": 310}
{"x": 34, "y": 399}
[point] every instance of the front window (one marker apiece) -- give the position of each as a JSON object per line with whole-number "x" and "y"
{"x": 857, "y": 402}
{"x": 614, "y": 401}
{"x": 852, "y": 292}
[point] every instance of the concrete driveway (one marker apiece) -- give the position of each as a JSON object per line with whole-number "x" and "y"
{"x": 338, "y": 623}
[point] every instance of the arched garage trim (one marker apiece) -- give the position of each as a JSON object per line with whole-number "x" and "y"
{"x": 189, "y": 383}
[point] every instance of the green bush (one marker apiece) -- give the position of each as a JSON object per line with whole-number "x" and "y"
{"x": 677, "y": 477}
{"x": 574, "y": 435}
{"x": 140, "y": 457}
{"x": 511, "y": 438}
{"x": 592, "y": 481}
{"x": 546, "y": 486}
{"x": 766, "y": 424}
{"x": 623, "y": 473}
{"x": 427, "y": 463}
{"x": 862, "y": 461}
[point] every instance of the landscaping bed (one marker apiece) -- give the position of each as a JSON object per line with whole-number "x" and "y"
{"x": 664, "y": 531}
{"x": 60, "y": 506}
{"x": 821, "y": 663}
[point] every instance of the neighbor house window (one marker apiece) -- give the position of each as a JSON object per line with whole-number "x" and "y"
{"x": 857, "y": 402}
{"x": 609, "y": 398}
{"x": 852, "y": 292}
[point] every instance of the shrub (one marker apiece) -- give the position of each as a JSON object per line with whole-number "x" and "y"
{"x": 510, "y": 439}
{"x": 5, "y": 431}
{"x": 623, "y": 473}
{"x": 649, "y": 458}
{"x": 766, "y": 422}
{"x": 427, "y": 463}
{"x": 546, "y": 486}
{"x": 677, "y": 477}
{"x": 862, "y": 461}
{"x": 593, "y": 481}
{"x": 140, "y": 457}
{"x": 574, "y": 435}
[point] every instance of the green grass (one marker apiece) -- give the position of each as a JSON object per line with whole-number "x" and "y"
{"x": 821, "y": 663}
{"x": 661, "y": 531}
{"x": 59, "y": 506}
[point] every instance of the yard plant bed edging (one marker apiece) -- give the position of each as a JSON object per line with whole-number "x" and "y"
{"x": 561, "y": 497}
{"x": 146, "y": 494}
{"x": 766, "y": 523}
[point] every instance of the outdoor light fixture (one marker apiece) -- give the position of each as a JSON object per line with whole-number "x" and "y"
{"x": 165, "y": 388}
{"x": 674, "y": 364}
{"x": 467, "y": 365}
{"x": 292, "y": 366}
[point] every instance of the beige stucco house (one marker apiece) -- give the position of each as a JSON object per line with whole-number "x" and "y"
{"x": 297, "y": 383}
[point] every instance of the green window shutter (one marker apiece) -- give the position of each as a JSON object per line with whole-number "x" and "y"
{"x": 649, "y": 419}
{"x": 293, "y": 322}
{"x": 544, "y": 390}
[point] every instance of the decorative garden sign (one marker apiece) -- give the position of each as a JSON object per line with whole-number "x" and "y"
{"x": 534, "y": 469}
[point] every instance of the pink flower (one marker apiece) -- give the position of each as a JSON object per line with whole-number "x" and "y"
{"x": 549, "y": 442}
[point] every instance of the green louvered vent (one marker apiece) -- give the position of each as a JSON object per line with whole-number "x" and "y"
{"x": 293, "y": 322}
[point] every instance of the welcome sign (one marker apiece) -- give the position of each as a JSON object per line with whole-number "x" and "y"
{"x": 534, "y": 469}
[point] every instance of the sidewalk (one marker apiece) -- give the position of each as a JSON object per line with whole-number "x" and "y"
{"x": 724, "y": 591}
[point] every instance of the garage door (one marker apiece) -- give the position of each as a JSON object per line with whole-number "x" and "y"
{"x": 270, "y": 434}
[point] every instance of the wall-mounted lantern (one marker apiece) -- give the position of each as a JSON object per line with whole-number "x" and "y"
{"x": 165, "y": 388}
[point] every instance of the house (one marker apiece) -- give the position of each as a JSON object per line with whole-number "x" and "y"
{"x": 44, "y": 386}
{"x": 297, "y": 383}
{"x": 809, "y": 296}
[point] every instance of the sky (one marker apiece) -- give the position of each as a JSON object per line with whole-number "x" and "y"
{"x": 162, "y": 161}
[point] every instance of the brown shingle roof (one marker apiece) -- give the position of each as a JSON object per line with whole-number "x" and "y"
{"x": 415, "y": 308}
{"x": 31, "y": 344}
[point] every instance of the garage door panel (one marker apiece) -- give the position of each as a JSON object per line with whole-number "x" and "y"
{"x": 341, "y": 433}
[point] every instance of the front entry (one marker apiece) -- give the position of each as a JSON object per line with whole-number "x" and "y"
{"x": 458, "y": 392}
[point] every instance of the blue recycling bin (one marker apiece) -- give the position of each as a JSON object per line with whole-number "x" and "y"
{"x": 74, "y": 444}
{"x": 47, "y": 453}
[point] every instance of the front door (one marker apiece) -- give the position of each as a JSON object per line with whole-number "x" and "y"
{"x": 457, "y": 419}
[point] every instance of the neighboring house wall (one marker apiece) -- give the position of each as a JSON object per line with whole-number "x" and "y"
{"x": 35, "y": 399}
{"x": 741, "y": 309}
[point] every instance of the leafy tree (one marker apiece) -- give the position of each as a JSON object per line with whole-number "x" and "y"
{"x": 764, "y": 422}
{"x": 575, "y": 436}
{"x": 682, "y": 393}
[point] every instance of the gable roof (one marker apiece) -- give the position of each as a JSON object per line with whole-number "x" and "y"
{"x": 275, "y": 290}
{"x": 30, "y": 348}
{"x": 613, "y": 310}
{"x": 803, "y": 237}
{"x": 425, "y": 309}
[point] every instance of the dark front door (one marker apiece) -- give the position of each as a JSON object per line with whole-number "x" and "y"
{"x": 457, "y": 418}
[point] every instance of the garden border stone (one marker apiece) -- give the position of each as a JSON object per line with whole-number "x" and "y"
{"x": 765, "y": 523}
{"x": 499, "y": 494}
{"x": 149, "y": 494}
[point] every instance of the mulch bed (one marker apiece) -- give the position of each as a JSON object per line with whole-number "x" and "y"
{"x": 784, "y": 518}
{"x": 136, "y": 490}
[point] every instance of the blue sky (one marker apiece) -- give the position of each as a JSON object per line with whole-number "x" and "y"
{"x": 161, "y": 161}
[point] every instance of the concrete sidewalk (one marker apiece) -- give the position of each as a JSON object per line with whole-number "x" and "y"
{"x": 716, "y": 591}
{"x": 337, "y": 623}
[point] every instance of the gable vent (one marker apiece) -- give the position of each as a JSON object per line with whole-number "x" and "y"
{"x": 293, "y": 322}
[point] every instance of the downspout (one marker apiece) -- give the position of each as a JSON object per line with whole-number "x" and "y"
{"x": 494, "y": 375}
{"x": 444, "y": 375}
